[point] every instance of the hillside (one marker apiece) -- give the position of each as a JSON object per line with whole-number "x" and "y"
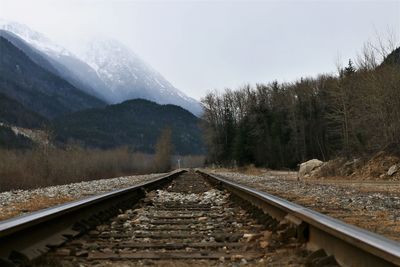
{"x": 393, "y": 58}
{"x": 36, "y": 88}
{"x": 13, "y": 113}
{"x": 10, "y": 140}
{"x": 134, "y": 123}
{"x": 105, "y": 68}
{"x": 34, "y": 54}
{"x": 129, "y": 77}
{"x": 54, "y": 58}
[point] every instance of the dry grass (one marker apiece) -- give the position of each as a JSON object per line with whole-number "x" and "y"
{"x": 377, "y": 167}
{"x": 258, "y": 171}
{"x": 247, "y": 169}
{"x": 251, "y": 170}
{"x": 51, "y": 166}
{"x": 189, "y": 161}
{"x": 32, "y": 204}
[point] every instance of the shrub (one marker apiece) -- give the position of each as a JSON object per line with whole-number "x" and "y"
{"x": 44, "y": 166}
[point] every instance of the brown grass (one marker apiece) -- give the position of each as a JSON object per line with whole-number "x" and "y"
{"x": 251, "y": 170}
{"x": 52, "y": 166}
{"x": 246, "y": 169}
{"x": 32, "y": 204}
{"x": 189, "y": 161}
{"x": 377, "y": 167}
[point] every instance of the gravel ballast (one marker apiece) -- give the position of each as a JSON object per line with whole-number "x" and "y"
{"x": 369, "y": 206}
{"x": 373, "y": 206}
{"x": 18, "y": 202}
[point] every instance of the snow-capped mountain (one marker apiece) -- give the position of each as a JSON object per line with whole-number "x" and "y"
{"x": 24, "y": 77}
{"x": 103, "y": 68}
{"x": 130, "y": 77}
{"x": 63, "y": 63}
{"x": 34, "y": 38}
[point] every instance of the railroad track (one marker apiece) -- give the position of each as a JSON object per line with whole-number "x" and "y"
{"x": 193, "y": 218}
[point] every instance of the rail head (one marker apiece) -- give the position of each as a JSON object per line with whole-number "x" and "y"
{"x": 372, "y": 243}
{"x": 15, "y": 224}
{"x": 25, "y": 238}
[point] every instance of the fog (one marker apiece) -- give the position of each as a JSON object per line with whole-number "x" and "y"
{"x": 204, "y": 45}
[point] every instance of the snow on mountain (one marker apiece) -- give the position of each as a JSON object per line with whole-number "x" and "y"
{"x": 64, "y": 63}
{"x": 106, "y": 69}
{"x": 130, "y": 77}
{"x": 36, "y": 39}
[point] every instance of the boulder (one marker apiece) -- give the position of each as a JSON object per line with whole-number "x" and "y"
{"x": 307, "y": 167}
{"x": 392, "y": 170}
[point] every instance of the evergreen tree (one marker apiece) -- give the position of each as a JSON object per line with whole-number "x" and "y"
{"x": 349, "y": 70}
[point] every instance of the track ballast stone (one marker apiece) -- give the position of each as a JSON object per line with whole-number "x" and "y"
{"x": 189, "y": 223}
{"x": 20, "y": 202}
{"x": 375, "y": 207}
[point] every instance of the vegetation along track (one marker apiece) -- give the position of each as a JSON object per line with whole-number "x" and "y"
{"x": 197, "y": 219}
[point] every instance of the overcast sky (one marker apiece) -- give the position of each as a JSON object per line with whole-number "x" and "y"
{"x": 203, "y": 45}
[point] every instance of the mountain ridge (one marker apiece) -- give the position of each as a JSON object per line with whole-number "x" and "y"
{"x": 63, "y": 63}
{"x": 36, "y": 88}
{"x": 129, "y": 77}
{"x": 14, "y": 113}
{"x": 135, "y": 123}
{"x": 109, "y": 71}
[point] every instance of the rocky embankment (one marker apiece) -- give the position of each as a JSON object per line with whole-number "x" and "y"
{"x": 17, "y": 202}
{"x": 373, "y": 206}
{"x": 382, "y": 166}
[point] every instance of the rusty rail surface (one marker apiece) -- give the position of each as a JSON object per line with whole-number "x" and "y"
{"x": 25, "y": 238}
{"x": 350, "y": 245}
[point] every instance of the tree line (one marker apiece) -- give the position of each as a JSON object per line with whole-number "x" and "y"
{"x": 355, "y": 112}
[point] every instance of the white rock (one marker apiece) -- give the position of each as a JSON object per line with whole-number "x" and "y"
{"x": 392, "y": 170}
{"x": 127, "y": 225}
{"x": 307, "y": 167}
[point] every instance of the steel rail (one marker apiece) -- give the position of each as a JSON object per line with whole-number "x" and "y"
{"x": 350, "y": 245}
{"x": 25, "y": 238}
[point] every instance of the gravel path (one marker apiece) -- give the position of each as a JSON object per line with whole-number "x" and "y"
{"x": 365, "y": 205}
{"x": 18, "y": 202}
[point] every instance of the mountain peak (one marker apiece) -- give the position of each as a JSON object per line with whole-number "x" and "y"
{"x": 37, "y": 39}
{"x": 128, "y": 76}
{"x": 105, "y": 68}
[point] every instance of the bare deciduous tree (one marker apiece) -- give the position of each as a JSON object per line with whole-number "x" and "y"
{"x": 163, "y": 155}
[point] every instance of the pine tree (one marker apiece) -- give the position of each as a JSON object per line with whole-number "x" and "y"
{"x": 349, "y": 70}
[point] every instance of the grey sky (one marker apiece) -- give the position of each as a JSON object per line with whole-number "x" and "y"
{"x": 204, "y": 45}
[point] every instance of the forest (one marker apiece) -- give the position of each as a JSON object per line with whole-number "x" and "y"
{"x": 354, "y": 112}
